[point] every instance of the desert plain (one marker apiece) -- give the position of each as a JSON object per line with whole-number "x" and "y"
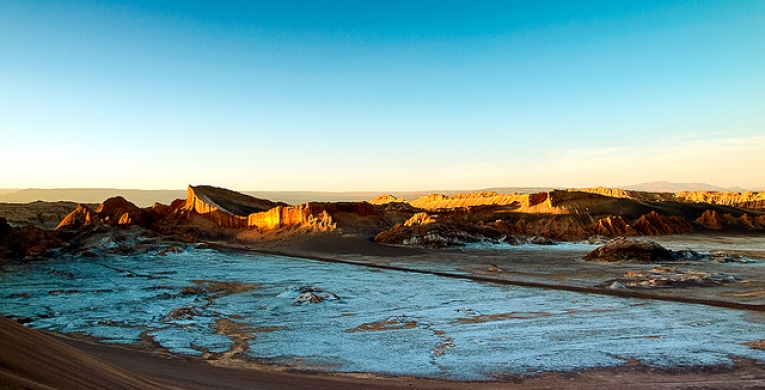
{"x": 587, "y": 288}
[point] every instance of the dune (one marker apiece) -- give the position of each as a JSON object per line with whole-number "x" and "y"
{"x": 32, "y": 360}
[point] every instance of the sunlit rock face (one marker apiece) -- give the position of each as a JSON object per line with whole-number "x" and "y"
{"x": 710, "y": 219}
{"x": 235, "y": 210}
{"x": 116, "y": 211}
{"x": 122, "y": 212}
{"x": 419, "y": 219}
{"x": 82, "y": 216}
{"x": 281, "y": 216}
{"x": 385, "y": 199}
{"x": 627, "y": 194}
{"x": 553, "y": 202}
{"x": 441, "y": 202}
{"x": 747, "y": 200}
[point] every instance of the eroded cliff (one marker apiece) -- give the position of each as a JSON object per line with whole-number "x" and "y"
{"x": 234, "y": 210}
{"x": 746, "y": 200}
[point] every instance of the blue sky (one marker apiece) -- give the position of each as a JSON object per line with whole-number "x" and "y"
{"x": 386, "y": 95}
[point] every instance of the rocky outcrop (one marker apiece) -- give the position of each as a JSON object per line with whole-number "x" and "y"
{"x": 612, "y": 192}
{"x": 119, "y": 211}
{"x": 629, "y": 194}
{"x": 419, "y": 219}
{"x": 746, "y": 200}
{"x": 159, "y": 211}
{"x": 233, "y": 210}
{"x": 28, "y": 242}
{"x": 449, "y": 202}
{"x": 82, "y": 216}
{"x": 665, "y": 277}
{"x": 711, "y": 220}
{"x": 744, "y": 222}
{"x": 211, "y": 203}
{"x": 556, "y": 227}
{"x": 439, "y": 234}
{"x": 613, "y": 226}
{"x": 115, "y": 211}
{"x": 423, "y": 227}
{"x": 654, "y": 224}
{"x": 651, "y": 224}
{"x": 553, "y": 202}
{"x": 302, "y": 215}
{"x": 209, "y": 199}
{"x": 630, "y": 250}
{"x": 385, "y": 199}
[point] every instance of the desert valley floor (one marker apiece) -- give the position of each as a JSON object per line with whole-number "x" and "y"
{"x": 183, "y": 296}
{"x": 247, "y": 308}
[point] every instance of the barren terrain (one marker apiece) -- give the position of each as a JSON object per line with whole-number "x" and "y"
{"x": 484, "y": 312}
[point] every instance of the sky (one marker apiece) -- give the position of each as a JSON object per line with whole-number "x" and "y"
{"x": 381, "y": 95}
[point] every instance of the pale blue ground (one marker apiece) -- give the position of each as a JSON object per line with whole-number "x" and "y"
{"x": 118, "y": 298}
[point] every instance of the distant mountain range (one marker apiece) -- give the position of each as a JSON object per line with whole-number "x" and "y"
{"x": 665, "y": 186}
{"x": 144, "y": 198}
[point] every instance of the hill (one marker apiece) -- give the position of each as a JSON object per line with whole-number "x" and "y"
{"x": 142, "y": 198}
{"x": 145, "y": 198}
{"x": 665, "y": 186}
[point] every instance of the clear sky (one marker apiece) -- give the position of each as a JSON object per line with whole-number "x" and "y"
{"x": 381, "y": 95}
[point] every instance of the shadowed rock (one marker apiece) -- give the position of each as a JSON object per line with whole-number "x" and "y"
{"x": 711, "y": 220}
{"x": 630, "y": 250}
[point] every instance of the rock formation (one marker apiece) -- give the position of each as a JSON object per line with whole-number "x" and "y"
{"x": 746, "y": 200}
{"x": 553, "y": 202}
{"x": 711, "y": 220}
{"x": 628, "y": 194}
{"x": 82, "y": 216}
{"x": 631, "y": 250}
{"x": 216, "y": 214}
{"x": 653, "y": 224}
{"x": 613, "y": 226}
{"x": 28, "y": 242}
{"x": 419, "y": 219}
{"x": 662, "y": 277}
{"x": 281, "y": 216}
{"x": 385, "y": 199}
{"x": 115, "y": 211}
{"x": 439, "y": 234}
{"x": 237, "y": 211}
{"x": 119, "y": 211}
{"x": 436, "y": 202}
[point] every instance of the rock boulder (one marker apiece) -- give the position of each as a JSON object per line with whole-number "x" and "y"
{"x": 630, "y": 250}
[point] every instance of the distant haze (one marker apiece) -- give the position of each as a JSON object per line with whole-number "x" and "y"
{"x": 145, "y": 198}
{"x": 141, "y": 198}
{"x": 664, "y": 186}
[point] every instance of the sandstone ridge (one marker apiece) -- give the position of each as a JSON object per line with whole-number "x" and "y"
{"x": 746, "y": 200}
{"x": 234, "y": 210}
{"x": 212, "y": 214}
